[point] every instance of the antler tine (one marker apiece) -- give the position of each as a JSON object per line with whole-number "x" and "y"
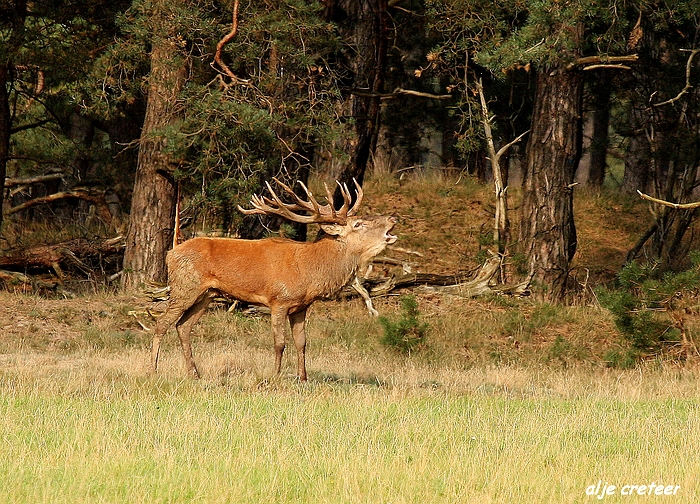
{"x": 274, "y": 205}
{"x": 358, "y": 200}
{"x": 346, "y": 199}
{"x": 275, "y": 198}
{"x": 329, "y": 199}
{"x": 299, "y": 205}
{"x": 266, "y": 206}
{"x": 316, "y": 207}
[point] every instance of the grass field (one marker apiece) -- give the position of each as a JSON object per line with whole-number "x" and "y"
{"x": 82, "y": 420}
{"x": 85, "y": 435}
{"x": 508, "y": 400}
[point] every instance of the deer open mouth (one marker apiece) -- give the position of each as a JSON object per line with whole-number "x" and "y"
{"x": 388, "y": 237}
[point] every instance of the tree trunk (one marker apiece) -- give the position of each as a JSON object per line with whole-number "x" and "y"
{"x": 18, "y": 13}
{"x": 547, "y": 231}
{"x": 365, "y": 23}
{"x": 598, "y": 150}
{"x": 5, "y": 132}
{"x": 152, "y": 217}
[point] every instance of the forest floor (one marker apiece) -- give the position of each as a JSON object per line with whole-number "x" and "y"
{"x": 444, "y": 225}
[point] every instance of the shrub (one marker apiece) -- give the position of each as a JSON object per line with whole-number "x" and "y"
{"x": 405, "y": 333}
{"x": 642, "y": 305}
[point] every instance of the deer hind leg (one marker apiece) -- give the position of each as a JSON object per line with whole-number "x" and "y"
{"x": 184, "y": 329}
{"x": 297, "y": 321}
{"x": 177, "y": 306}
{"x": 172, "y": 314}
{"x": 279, "y": 316}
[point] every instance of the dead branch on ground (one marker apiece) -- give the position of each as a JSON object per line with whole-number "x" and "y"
{"x": 56, "y": 257}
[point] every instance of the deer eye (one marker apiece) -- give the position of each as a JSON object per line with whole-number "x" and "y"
{"x": 358, "y": 224}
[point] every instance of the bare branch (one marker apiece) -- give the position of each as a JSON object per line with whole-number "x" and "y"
{"x": 95, "y": 197}
{"x": 680, "y": 206}
{"x": 602, "y": 60}
{"x": 12, "y": 181}
{"x": 507, "y": 146}
{"x": 225, "y": 40}
{"x": 421, "y": 94}
{"x": 397, "y": 92}
{"x": 688, "y": 86}
{"x": 596, "y": 67}
{"x": 33, "y": 125}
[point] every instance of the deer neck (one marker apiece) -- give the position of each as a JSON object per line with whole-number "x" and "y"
{"x": 334, "y": 262}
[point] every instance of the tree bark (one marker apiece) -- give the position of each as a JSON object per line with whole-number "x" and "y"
{"x": 547, "y": 230}
{"x": 598, "y": 150}
{"x": 152, "y": 217}
{"x": 365, "y": 23}
{"x": 638, "y": 156}
{"x": 5, "y": 132}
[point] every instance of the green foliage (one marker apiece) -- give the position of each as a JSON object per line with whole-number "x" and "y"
{"x": 405, "y": 333}
{"x": 562, "y": 349}
{"x": 230, "y": 134}
{"x": 642, "y": 305}
{"x": 505, "y": 38}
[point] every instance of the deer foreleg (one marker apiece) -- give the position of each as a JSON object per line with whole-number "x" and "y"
{"x": 279, "y": 316}
{"x": 297, "y": 321}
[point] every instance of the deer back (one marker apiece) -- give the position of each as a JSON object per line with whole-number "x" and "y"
{"x": 277, "y": 270}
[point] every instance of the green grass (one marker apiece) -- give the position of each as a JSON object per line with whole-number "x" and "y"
{"x": 106, "y": 437}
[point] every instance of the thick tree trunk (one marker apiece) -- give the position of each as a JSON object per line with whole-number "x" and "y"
{"x": 365, "y": 23}
{"x": 18, "y": 13}
{"x": 637, "y": 159}
{"x": 547, "y": 231}
{"x": 152, "y": 217}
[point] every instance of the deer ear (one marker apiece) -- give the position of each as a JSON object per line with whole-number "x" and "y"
{"x": 332, "y": 229}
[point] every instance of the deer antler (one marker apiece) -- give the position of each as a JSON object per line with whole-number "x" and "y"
{"x": 320, "y": 214}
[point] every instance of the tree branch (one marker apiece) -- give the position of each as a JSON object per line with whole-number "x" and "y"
{"x": 225, "y": 40}
{"x": 95, "y": 197}
{"x": 397, "y": 92}
{"x": 30, "y": 126}
{"x": 12, "y": 181}
{"x": 688, "y": 86}
{"x": 679, "y": 206}
{"x": 507, "y": 146}
{"x": 596, "y": 67}
{"x": 602, "y": 60}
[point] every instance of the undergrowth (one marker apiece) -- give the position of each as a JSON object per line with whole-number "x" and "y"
{"x": 648, "y": 307}
{"x": 405, "y": 333}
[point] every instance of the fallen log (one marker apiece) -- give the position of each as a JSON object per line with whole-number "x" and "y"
{"x": 460, "y": 284}
{"x": 73, "y": 252}
{"x": 17, "y": 281}
{"x": 91, "y": 195}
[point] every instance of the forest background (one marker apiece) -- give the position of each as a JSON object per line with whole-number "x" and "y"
{"x": 125, "y": 114}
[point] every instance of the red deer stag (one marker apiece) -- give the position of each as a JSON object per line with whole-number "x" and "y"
{"x": 284, "y": 275}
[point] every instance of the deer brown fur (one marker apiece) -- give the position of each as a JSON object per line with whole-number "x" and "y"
{"x": 284, "y": 275}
